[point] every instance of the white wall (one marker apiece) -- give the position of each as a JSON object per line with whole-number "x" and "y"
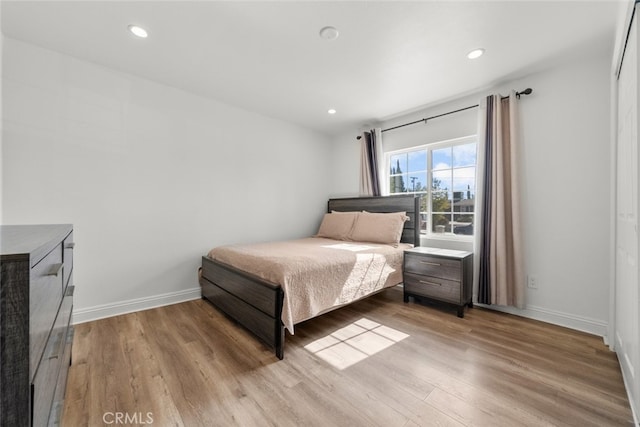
{"x": 565, "y": 181}
{"x": 151, "y": 177}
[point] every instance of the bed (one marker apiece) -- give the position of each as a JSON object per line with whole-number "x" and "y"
{"x": 252, "y": 293}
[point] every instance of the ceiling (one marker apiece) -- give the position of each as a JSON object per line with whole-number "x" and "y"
{"x": 391, "y": 57}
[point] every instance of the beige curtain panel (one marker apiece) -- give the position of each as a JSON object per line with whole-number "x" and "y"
{"x": 370, "y": 163}
{"x": 498, "y": 245}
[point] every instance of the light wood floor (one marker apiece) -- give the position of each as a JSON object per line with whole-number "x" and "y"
{"x": 188, "y": 365}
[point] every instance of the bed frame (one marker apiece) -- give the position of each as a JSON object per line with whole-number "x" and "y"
{"x": 256, "y": 303}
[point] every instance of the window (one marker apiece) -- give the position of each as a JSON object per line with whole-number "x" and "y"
{"x": 445, "y": 173}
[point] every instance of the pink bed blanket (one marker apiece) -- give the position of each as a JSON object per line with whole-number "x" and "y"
{"x": 317, "y": 274}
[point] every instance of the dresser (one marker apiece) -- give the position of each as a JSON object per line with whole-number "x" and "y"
{"x": 36, "y": 302}
{"x": 441, "y": 275}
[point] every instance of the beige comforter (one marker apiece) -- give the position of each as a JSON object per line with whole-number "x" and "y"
{"x": 317, "y": 274}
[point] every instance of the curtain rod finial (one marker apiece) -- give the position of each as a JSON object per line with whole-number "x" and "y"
{"x": 527, "y": 91}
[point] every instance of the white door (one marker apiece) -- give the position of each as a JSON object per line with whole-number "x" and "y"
{"x": 627, "y": 303}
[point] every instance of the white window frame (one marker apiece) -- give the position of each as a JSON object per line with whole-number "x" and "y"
{"x": 430, "y": 234}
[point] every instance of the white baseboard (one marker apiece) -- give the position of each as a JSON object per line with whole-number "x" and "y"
{"x": 130, "y": 306}
{"x": 572, "y": 321}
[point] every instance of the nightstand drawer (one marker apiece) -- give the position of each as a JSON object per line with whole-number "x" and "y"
{"x": 433, "y": 266}
{"x": 433, "y": 287}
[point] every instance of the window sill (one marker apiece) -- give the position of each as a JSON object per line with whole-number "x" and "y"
{"x": 447, "y": 242}
{"x": 447, "y": 237}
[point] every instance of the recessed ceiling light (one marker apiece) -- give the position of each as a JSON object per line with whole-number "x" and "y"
{"x": 138, "y": 31}
{"x": 329, "y": 33}
{"x": 476, "y": 53}
{"x": 331, "y": 111}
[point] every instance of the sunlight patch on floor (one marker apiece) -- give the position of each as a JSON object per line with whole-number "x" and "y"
{"x": 355, "y": 342}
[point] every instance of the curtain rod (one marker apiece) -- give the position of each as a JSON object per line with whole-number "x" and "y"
{"x": 527, "y": 91}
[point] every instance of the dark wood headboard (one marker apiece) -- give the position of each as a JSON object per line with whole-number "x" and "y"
{"x": 409, "y": 203}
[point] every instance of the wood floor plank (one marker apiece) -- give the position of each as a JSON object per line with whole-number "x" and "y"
{"x": 379, "y": 362}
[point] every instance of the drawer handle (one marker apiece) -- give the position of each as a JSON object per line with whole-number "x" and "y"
{"x": 70, "y": 245}
{"x": 54, "y": 347}
{"x": 55, "y": 270}
{"x": 430, "y": 283}
{"x": 430, "y": 263}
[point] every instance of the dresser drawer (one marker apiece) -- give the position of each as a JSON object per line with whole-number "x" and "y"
{"x": 58, "y": 399}
{"x": 433, "y": 266}
{"x": 433, "y": 287}
{"x": 44, "y": 301}
{"x": 47, "y": 373}
{"x": 42, "y": 390}
{"x": 67, "y": 259}
{"x": 64, "y": 335}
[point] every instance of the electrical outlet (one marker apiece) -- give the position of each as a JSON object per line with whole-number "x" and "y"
{"x": 532, "y": 282}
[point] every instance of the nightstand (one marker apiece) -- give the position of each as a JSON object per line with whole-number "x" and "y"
{"x": 442, "y": 275}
